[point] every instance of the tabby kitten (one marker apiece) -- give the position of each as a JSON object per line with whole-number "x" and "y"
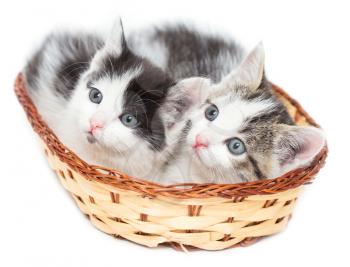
{"x": 238, "y": 131}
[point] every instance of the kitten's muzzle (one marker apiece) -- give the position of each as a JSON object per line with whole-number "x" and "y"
{"x": 200, "y": 142}
{"x": 94, "y": 126}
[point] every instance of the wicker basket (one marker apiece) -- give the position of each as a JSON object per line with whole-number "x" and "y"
{"x": 206, "y": 216}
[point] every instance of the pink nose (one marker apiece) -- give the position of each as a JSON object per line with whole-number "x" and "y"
{"x": 201, "y": 142}
{"x": 94, "y": 125}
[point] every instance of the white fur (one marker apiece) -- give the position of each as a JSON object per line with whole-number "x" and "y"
{"x": 117, "y": 146}
{"x": 213, "y": 164}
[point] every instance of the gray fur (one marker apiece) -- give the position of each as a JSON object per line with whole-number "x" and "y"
{"x": 189, "y": 52}
{"x": 66, "y": 56}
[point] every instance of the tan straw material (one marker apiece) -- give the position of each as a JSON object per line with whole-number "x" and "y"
{"x": 205, "y": 216}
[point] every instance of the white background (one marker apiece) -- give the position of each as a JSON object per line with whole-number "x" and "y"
{"x": 307, "y": 52}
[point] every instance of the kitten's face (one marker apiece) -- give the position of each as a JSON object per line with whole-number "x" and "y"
{"x": 242, "y": 132}
{"x": 116, "y": 103}
{"x": 233, "y": 136}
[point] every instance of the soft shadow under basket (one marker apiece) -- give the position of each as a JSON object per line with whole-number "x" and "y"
{"x": 205, "y": 216}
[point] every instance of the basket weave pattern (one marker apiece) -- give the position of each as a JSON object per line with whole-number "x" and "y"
{"x": 206, "y": 216}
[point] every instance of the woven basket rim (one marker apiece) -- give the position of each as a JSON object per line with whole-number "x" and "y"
{"x": 119, "y": 180}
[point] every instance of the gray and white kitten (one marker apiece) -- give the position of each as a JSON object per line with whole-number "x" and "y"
{"x": 239, "y": 131}
{"x": 104, "y": 102}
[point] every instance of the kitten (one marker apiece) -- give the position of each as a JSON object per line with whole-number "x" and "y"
{"x": 239, "y": 131}
{"x": 103, "y": 101}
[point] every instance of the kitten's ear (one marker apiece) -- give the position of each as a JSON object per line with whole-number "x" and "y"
{"x": 251, "y": 70}
{"x": 185, "y": 95}
{"x": 194, "y": 89}
{"x": 297, "y": 146}
{"x": 115, "y": 42}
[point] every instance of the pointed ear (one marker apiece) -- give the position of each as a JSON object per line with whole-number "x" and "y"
{"x": 297, "y": 146}
{"x": 251, "y": 70}
{"x": 195, "y": 89}
{"x": 115, "y": 42}
{"x": 186, "y": 94}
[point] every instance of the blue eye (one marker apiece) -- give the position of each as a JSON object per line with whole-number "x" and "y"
{"x": 211, "y": 112}
{"x": 129, "y": 120}
{"x": 236, "y": 146}
{"x": 95, "y": 96}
